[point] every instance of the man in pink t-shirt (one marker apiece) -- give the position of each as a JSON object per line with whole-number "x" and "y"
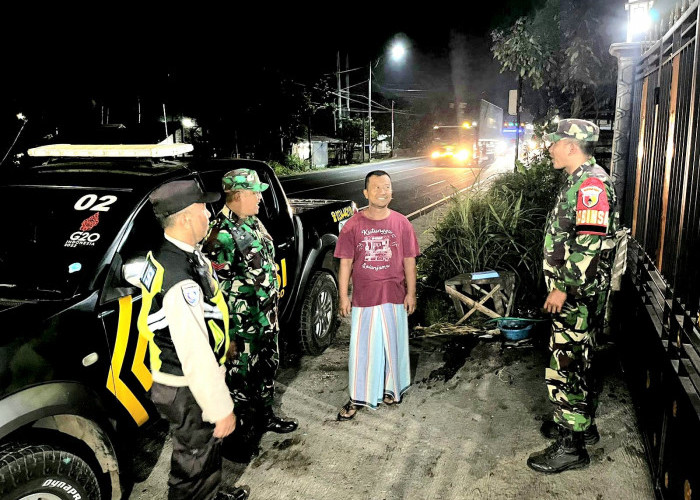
{"x": 378, "y": 248}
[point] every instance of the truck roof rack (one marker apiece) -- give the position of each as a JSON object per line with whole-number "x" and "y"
{"x": 111, "y": 150}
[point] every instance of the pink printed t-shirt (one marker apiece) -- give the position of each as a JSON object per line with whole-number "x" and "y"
{"x": 377, "y": 249}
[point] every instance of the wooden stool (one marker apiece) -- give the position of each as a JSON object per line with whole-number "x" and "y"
{"x": 497, "y": 286}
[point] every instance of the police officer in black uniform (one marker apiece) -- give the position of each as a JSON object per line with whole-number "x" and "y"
{"x": 185, "y": 318}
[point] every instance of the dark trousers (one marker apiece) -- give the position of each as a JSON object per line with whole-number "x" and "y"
{"x": 195, "y": 467}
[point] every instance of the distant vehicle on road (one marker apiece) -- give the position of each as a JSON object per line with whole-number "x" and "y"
{"x": 73, "y": 368}
{"x": 471, "y": 143}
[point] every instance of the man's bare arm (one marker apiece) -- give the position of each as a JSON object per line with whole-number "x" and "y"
{"x": 343, "y": 284}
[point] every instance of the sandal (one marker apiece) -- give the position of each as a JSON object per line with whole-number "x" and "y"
{"x": 348, "y": 411}
{"x": 389, "y": 400}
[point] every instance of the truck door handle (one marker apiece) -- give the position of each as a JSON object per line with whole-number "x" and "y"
{"x": 287, "y": 242}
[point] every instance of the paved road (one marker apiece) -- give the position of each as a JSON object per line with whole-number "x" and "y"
{"x": 416, "y": 183}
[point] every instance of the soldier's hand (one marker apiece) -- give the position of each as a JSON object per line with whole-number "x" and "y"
{"x": 232, "y": 352}
{"x": 345, "y": 307}
{"x": 225, "y": 426}
{"x": 555, "y": 301}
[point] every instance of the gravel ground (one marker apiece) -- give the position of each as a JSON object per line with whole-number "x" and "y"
{"x": 463, "y": 431}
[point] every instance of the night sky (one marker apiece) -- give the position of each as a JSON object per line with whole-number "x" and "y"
{"x": 60, "y": 66}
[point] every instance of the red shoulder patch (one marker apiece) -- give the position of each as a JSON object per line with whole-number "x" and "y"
{"x": 592, "y": 208}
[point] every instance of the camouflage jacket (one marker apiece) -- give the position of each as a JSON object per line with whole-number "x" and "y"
{"x": 243, "y": 255}
{"x": 580, "y": 233}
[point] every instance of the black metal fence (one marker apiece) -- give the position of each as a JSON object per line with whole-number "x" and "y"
{"x": 662, "y": 291}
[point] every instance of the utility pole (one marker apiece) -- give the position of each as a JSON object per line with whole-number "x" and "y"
{"x": 340, "y": 98}
{"x": 392, "y": 129}
{"x": 363, "y": 140}
{"x": 311, "y": 148}
{"x": 369, "y": 110}
{"x": 165, "y": 121}
{"x": 517, "y": 125}
{"x": 347, "y": 83}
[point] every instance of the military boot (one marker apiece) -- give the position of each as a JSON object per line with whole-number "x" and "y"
{"x": 272, "y": 422}
{"x": 567, "y": 452}
{"x": 550, "y": 429}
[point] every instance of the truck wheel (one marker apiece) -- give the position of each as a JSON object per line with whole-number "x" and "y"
{"x": 33, "y": 472}
{"x": 318, "y": 313}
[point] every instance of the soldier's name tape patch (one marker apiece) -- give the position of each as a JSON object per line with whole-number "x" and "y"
{"x": 191, "y": 293}
{"x": 592, "y": 218}
{"x": 592, "y": 208}
{"x": 592, "y": 222}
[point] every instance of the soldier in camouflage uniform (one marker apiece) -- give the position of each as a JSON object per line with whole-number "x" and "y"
{"x": 578, "y": 254}
{"x": 243, "y": 255}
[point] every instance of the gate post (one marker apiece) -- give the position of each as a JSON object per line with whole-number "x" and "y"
{"x": 627, "y": 54}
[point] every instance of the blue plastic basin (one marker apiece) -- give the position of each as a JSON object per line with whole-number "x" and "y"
{"x": 514, "y": 329}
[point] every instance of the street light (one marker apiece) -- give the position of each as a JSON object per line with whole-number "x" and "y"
{"x": 638, "y": 18}
{"x": 398, "y": 52}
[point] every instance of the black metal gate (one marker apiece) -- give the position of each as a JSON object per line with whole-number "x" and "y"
{"x": 661, "y": 298}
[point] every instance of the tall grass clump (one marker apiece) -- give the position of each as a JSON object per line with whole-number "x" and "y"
{"x": 498, "y": 228}
{"x": 290, "y": 165}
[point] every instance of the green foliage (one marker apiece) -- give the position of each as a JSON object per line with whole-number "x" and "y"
{"x": 295, "y": 163}
{"x": 291, "y": 165}
{"x": 519, "y": 50}
{"x": 501, "y": 228}
{"x": 280, "y": 170}
{"x": 561, "y": 51}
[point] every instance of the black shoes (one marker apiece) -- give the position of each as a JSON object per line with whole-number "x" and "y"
{"x": 273, "y": 423}
{"x": 550, "y": 429}
{"x": 567, "y": 452}
{"x": 240, "y": 493}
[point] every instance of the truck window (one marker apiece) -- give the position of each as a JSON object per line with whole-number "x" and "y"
{"x": 144, "y": 235}
{"x": 268, "y": 206}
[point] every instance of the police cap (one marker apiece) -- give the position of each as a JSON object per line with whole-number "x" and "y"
{"x": 174, "y": 196}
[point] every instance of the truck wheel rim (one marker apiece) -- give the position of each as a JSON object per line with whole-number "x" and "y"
{"x": 323, "y": 314}
{"x": 40, "y": 496}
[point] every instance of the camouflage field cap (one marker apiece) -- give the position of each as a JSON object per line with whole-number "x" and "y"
{"x": 572, "y": 128}
{"x": 243, "y": 178}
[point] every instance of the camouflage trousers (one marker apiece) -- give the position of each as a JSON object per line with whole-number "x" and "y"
{"x": 250, "y": 376}
{"x": 571, "y": 381}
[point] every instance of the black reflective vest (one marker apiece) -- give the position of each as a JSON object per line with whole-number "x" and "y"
{"x": 171, "y": 265}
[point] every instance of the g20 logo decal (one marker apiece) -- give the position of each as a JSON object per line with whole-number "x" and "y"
{"x": 82, "y": 238}
{"x": 89, "y": 202}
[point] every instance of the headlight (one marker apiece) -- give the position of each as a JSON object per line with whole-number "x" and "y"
{"x": 462, "y": 155}
{"x": 436, "y": 154}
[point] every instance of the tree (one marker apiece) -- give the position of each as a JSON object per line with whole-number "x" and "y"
{"x": 561, "y": 52}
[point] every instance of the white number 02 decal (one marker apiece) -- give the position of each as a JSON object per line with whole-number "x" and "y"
{"x": 88, "y": 202}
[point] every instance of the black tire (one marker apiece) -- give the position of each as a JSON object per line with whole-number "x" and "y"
{"x": 44, "y": 472}
{"x": 319, "y": 313}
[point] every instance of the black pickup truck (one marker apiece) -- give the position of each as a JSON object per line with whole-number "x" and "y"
{"x": 73, "y": 369}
